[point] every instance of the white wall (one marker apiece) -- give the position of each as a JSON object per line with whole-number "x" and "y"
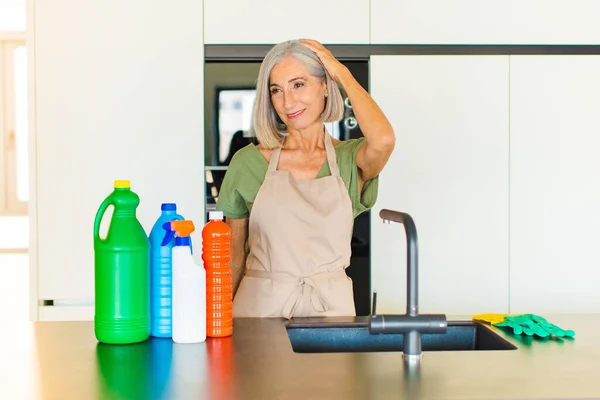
{"x": 497, "y": 163}
{"x": 449, "y": 171}
{"x": 14, "y": 233}
{"x": 485, "y": 22}
{"x": 273, "y": 21}
{"x": 404, "y": 21}
{"x": 12, "y": 15}
{"x": 118, "y": 94}
{"x": 555, "y": 185}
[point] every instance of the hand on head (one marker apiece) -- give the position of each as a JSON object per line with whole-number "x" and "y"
{"x": 332, "y": 65}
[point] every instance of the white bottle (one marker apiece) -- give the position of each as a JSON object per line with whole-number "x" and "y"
{"x": 189, "y": 289}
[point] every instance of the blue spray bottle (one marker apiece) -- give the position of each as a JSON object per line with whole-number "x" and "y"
{"x": 161, "y": 266}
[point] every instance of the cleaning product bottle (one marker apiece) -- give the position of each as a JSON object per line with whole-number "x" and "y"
{"x": 216, "y": 254}
{"x": 122, "y": 271}
{"x": 189, "y": 287}
{"x": 160, "y": 273}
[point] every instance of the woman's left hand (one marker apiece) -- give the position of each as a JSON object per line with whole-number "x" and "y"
{"x": 333, "y": 66}
{"x": 379, "y": 134}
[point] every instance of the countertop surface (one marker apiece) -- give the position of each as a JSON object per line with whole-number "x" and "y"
{"x": 63, "y": 360}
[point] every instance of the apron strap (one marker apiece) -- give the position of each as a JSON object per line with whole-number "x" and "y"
{"x": 331, "y": 158}
{"x": 329, "y": 149}
{"x": 274, "y": 159}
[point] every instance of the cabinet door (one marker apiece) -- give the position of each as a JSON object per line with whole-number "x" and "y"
{"x": 273, "y": 21}
{"x": 555, "y": 189}
{"x": 118, "y": 103}
{"x": 449, "y": 171}
{"x": 485, "y": 22}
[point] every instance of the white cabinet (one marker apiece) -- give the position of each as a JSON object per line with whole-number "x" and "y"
{"x": 273, "y": 21}
{"x": 116, "y": 93}
{"x": 485, "y": 22}
{"x": 555, "y": 185}
{"x": 449, "y": 171}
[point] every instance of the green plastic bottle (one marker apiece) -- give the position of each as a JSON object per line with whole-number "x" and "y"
{"x": 122, "y": 272}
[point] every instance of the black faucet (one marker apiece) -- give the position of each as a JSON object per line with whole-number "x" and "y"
{"x": 412, "y": 325}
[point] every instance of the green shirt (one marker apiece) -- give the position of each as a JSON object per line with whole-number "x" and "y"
{"x": 248, "y": 168}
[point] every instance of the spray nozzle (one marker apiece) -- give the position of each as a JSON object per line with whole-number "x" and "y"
{"x": 181, "y": 229}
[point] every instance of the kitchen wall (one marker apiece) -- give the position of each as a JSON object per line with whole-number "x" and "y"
{"x": 496, "y": 161}
{"x": 494, "y": 157}
{"x": 12, "y": 15}
{"x": 117, "y": 93}
{"x": 404, "y": 21}
{"x": 450, "y": 172}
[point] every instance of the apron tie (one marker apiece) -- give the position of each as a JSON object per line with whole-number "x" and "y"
{"x": 303, "y": 284}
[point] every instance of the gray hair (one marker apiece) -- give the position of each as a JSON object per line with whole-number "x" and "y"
{"x": 266, "y": 124}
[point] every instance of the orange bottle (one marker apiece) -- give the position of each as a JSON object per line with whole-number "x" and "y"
{"x": 216, "y": 254}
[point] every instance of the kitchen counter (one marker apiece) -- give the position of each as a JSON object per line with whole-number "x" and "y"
{"x": 63, "y": 360}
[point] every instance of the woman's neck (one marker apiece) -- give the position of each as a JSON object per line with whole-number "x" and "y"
{"x": 307, "y": 140}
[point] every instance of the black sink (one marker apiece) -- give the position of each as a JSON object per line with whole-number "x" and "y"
{"x": 354, "y": 337}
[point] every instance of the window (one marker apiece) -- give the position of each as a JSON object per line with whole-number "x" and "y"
{"x": 234, "y": 114}
{"x": 14, "y": 184}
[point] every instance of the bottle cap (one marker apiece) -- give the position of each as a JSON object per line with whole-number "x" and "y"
{"x": 122, "y": 184}
{"x": 168, "y": 207}
{"x": 215, "y": 215}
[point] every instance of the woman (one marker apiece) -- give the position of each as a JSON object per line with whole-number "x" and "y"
{"x": 291, "y": 201}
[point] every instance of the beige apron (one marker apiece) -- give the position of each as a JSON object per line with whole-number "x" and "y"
{"x": 299, "y": 237}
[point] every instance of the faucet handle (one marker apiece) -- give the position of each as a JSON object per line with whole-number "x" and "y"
{"x": 374, "y": 306}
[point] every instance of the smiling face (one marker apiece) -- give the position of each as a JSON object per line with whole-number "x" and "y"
{"x": 297, "y": 96}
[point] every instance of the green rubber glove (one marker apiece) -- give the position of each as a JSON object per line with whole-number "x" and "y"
{"x": 531, "y": 324}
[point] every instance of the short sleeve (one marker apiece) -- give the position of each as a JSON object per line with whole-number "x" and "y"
{"x": 367, "y": 197}
{"x": 242, "y": 180}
